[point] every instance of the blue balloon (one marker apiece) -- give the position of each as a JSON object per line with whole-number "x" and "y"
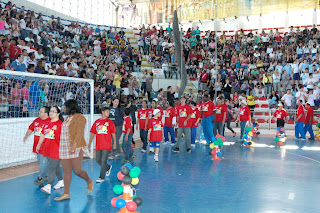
{"x": 219, "y": 154}
{"x": 120, "y": 203}
{"x": 278, "y": 128}
{"x": 245, "y": 143}
{"x": 128, "y": 165}
{"x": 247, "y": 132}
{"x": 254, "y": 125}
{"x": 245, "y": 137}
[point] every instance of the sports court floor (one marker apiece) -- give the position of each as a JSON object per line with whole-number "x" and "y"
{"x": 262, "y": 179}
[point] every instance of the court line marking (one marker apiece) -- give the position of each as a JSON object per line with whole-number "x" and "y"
{"x": 234, "y": 197}
{"x": 304, "y": 157}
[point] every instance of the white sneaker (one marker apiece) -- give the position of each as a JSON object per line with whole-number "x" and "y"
{"x": 197, "y": 141}
{"x": 151, "y": 150}
{"x": 46, "y": 189}
{"x": 193, "y": 145}
{"x": 143, "y": 150}
{"x": 108, "y": 171}
{"x": 166, "y": 142}
{"x": 172, "y": 144}
{"x": 59, "y": 185}
{"x": 156, "y": 158}
{"x": 100, "y": 180}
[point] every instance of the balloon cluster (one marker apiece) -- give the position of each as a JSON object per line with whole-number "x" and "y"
{"x": 215, "y": 147}
{"x": 247, "y": 137}
{"x": 255, "y": 129}
{"x": 281, "y": 136}
{"x": 317, "y": 133}
{"x": 126, "y": 201}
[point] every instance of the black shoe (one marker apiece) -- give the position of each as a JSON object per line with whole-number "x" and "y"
{"x": 188, "y": 150}
{"x": 311, "y": 139}
{"x": 176, "y": 150}
{"x": 39, "y": 182}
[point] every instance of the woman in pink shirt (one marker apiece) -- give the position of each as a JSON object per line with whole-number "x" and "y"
{"x": 16, "y": 100}
{"x": 2, "y": 24}
{"x": 244, "y": 62}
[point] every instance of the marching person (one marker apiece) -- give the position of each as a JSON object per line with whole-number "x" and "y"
{"x": 168, "y": 125}
{"x": 301, "y": 118}
{"x": 244, "y": 117}
{"x": 207, "y": 119}
{"x": 155, "y": 134}
{"x": 36, "y": 128}
{"x": 50, "y": 142}
{"x": 194, "y": 121}
{"x": 220, "y": 116}
{"x": 183, "y": 116}
{"x": 281, "y": 115}
{"x": 72, "y": 147}
{"x": 104, "y": 130}
{"x": 142, "y": 125}
{"x": 309, "y": 121}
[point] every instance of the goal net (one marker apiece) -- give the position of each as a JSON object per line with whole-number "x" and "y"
{"x": 22, "y": 95}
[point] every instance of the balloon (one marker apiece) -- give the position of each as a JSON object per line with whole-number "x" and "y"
{"x": 211, "y": 146}
{"x": 138, "y": 201}
{"x": 131, "y": 206}
{"x": 258, "y": 133}
{"x": 219, "y": 154}
{"x": 221, "y": 143}
{"x": 245, "y": 143}
{"x": 120, "y": 176}
{"x": 216, "y": 143}
{"x": 219, "y": 140}
{"x": 113, "y": 201}
{"x": 276, "y": 139}
{"x": 128, "y": 165}
{"x": 120, "y": 203}
{"x": 135, "y": 172}
{"x": 117, "y": 189}
{"x": 120, "y": 196}
{"x": 282, "y": 129}
{"x": 126, "y": 179}
{"x": 250, "y": 133}
{"x": 122, "y": 184}
{"x": 132, "y": 146}
{"x": 245, "y": 136}
{"x": 278, "y": 128}
{"x": 135, "y": 181}
{"x": 125, "y": 170}
{"x": 248, "y": 129}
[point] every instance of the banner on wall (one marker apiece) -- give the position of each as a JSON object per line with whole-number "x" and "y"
{"x": 157, "y": 71}
{"x": 161, "y": 11}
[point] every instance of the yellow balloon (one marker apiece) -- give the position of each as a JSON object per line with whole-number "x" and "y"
{"x": 317, "y": 132}
{"x": 250, "y": 133}
{"x": 135, "y": 181}
{"x": 252, "y": 143}
{"x": 211, "y": 146}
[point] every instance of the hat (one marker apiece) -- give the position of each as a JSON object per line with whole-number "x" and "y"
{"x": 156, "y": 111}
{"x": 244, "y": 102}
{"x": 156, "y": 99}
{"x": 308, "y": 103}
{"x": 280, "y": 104}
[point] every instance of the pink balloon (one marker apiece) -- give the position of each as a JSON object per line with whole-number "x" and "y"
{"x": 113, "y": 201}
{"x": 132, "y": 146}
{"x": 122, "y": 184}
{"x": 120, "y": 196}
{"x": 120, "y": 175}
{"x": 131, "y": 206}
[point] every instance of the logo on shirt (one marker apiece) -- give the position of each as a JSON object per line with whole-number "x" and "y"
{"x": 156, "y": 127}
{"x": 49, "y": 133}
{"x": 193, "y": 115}
{"x": 241, "y": 112}
{"x": 218, "y": 111}
{"x": 143, "y": 116}
{"x": 183, "y": 114}
{"x": 167, "y": 114}
{"x": 205, "y": 108}
{"x": 102, "y": 129}
{"x": 54, "y": 127}
{"x": 36, "y": 123}
{"x": 37, "y": 131}
{"x": 279, "y": 115}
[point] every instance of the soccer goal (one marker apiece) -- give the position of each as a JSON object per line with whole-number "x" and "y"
{"x": 22, "y": 95}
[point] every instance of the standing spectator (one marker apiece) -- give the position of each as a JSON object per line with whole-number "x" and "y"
{"x": 149, "y": 82}
{"x": 309, "y": 121}
{"x": 299, "y": 131}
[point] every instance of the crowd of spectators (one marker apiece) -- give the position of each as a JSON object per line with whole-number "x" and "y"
{"x": 273, "y": 66}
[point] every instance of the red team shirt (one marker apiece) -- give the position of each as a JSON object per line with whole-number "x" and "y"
{"x": 183, "y": 112}
{"x": 244, "y": 113}
{"x": 301, "y": 112}
{"x": 168, "y": 116}
{"x": 142, "y": 116}
{"x": 127, "y": 124}
{"x": 280, "y": 114}
{"x": 103, "y": 128}
{"x": 36, "y": 127}
{"x": 309, "y": 116}
{"x": 220, "y": 110}
{"x": 156, "y": 130}
{"x": 195, "y": 114}
{"x": 225, "y": 108}
{"x": 52, "y": 132}
{"x": 207, "y": 108}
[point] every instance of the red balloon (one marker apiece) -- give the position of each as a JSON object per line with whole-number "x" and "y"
{"x": 131, "y": 206}
{"x": 113, "y": 201}
{"x": 120, "y": 175}
{"x": 132, "y": 146}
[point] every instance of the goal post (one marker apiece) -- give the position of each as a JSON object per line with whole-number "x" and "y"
{"x": 22, "y": 94}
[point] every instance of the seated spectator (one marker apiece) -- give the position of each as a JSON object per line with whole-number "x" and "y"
{"x": 18, "y": 64}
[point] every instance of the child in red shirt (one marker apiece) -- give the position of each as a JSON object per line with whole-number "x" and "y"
{"x": 103, "y": 129}
{"x": 142, "y": 125}
{"x": 244, "y": 117}
{"x": 50, "y": 139}
{"x": 194, "y": 122}
{"x": 127, "y": 137}
{"x": 155, "y": 134}
{"x": 168, "y": 125}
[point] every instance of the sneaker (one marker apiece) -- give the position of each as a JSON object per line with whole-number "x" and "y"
{"x": 108, "y": 171}
{"x": 176, "y": 150}
{"x": 59, "y": 185}
{"x": 100, "y": 180}
{"x": 197, "y": 141}
{"x": 143, "y": 150}
{"x": 156, "y": 158}
{"x": 117, "y": 155}
{"x": 193, "y": 145}
{"x": 151, "y": 150}
{"x": 311, "y": 139}
{"x": 188, "y": 150}
{"x": 166, "y": 142}
{"x": 172, "y": 144}
{"x": 111, "y": 157}
{"x": 303, "y": 139}
{"x": 39, "y": 182}
{"x": 46, "y": 189}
